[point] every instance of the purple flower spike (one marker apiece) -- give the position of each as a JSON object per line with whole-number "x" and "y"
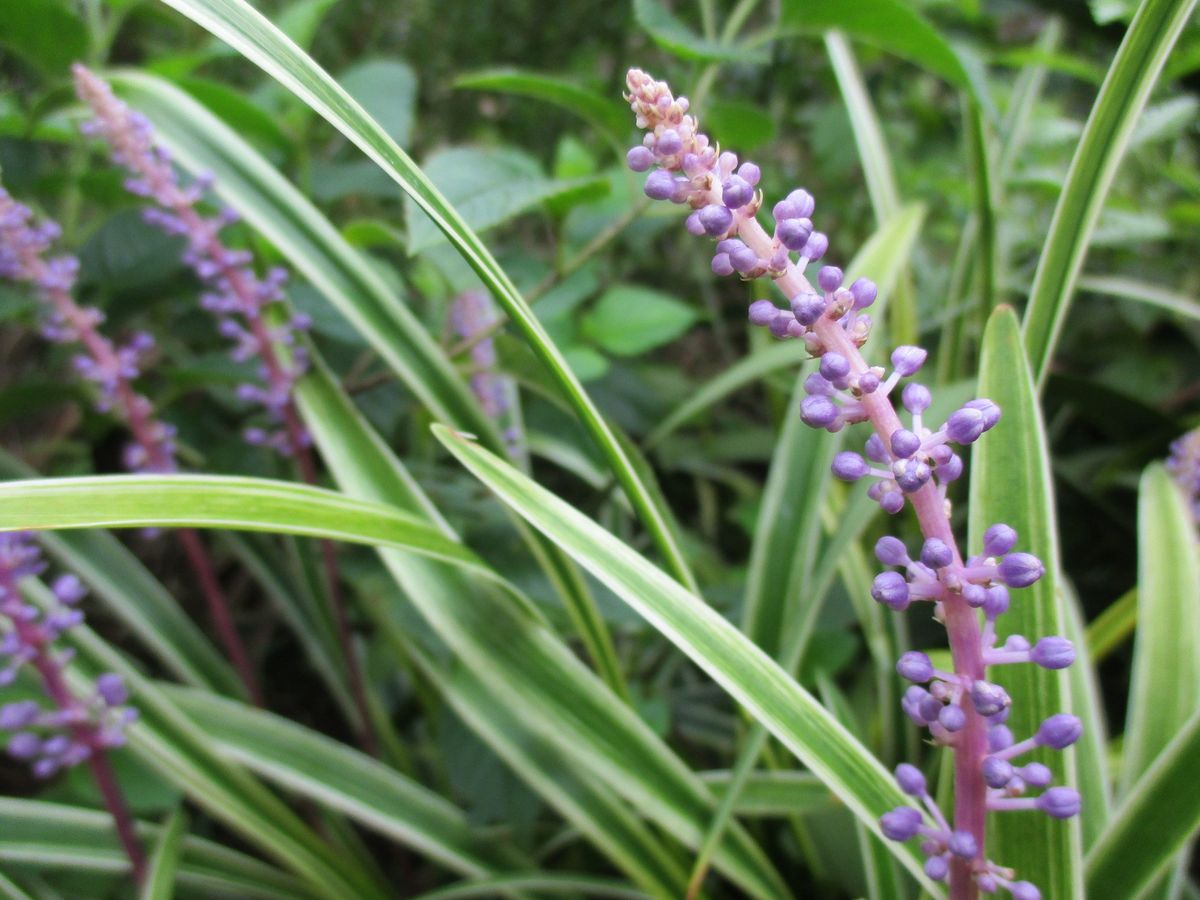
{"x": 849, "y": 466}
{"x": 901, "y": 823}
{"x": 1019, "y": 570}
{"x": 1060, "y": 802}
{"x": 915, "y": 666}
{"x": 1059, "y": 731}
{"x": 1053, "y": 653}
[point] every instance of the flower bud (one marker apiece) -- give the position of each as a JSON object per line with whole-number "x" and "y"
{"x": 849, "y": 466}
{"x": 907, "y": 360}
{"x": 1059, "y": 802}
{"x": 999, "y": 539}
{"x": 1053, "y": 653}
{"x": 890, "y": 589}
{"x": 1059, "y": 731}
{"x": 915, "y": 666}
{"x": 1020, "y": 570}
{"x": 910, "y": 779}
{"x": 901, "y": 823}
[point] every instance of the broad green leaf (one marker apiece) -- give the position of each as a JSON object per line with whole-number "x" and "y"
{"x": 235, "y": 22}
{"x": 211, "y": 501}
{"x": 50, "y": 836}
{"x": 1011, "y": 483}
{"x": 628, "y": 320}
{"x": 1122, "y": 97}
{"x": 138, "y": 599}
{"x": 1112, "y": 627}
{"x": 387, "y": 90}
{"x": 45, "y": 33}
{"x": 163, "y": 868}
{"x": 729, "y": 657}
{"x": 342, "y": 778}
{"x": 1164, "y": 690}
{"x": 243, "y": 116}
{"x": 607, "y": 114}
{"x": 526, "y": 693}
{"x": 1156, "y": 819}
{"x": 675, "y": 37}
{"x": 746, "y": 126}
{"x": 488, "y": 186}
{"x": 889, "y": 24}
{"x": 1143, "y": 292}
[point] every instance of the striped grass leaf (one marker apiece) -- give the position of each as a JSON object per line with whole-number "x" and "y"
{"x": 1011, "y": 483}
{"x": 1140, "y": 291}
{"x": 728, "y": 656}
{"x": 1156, "y": 818}
{"x": 1164, "y": 690}
{"x": 248, "y": 32}
{"x": 526, "y": 693}
{"x": 162, "y": 870}
{"x": 1122, "y": 98}
{"x": 138, "y": 599}
{"x": 1112, "y": 627}
{"x": 39, "y": 835}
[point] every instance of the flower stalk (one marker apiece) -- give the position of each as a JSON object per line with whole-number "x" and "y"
{"x": 911, "y": 465}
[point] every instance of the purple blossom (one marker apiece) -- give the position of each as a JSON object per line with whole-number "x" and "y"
{"x": 473, "y": 318}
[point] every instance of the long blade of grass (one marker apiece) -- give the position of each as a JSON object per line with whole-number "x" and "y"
{"x": 1112, "y": 627}
{"x": 247, "y": 31}
{"x": 1132, "y": 75}
{"x": 1011, "y": 482}
{"x": 163, "y": 868}
{"x": 1142, "y": 292}
{"x": 728, "y": 656}
{"x": 1164, "y": 690}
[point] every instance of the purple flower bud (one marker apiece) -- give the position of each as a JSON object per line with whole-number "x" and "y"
{"x": 818, "y": 412}
{"x": 793, "y": 233}
{"x": 875, "y": 449}
{"x": 996, "y": 601}
{"x": 24, "y": 745}
{"x": 660, "y": 185}
{"x": 904, "y": 443}
{"x": 937, "y": 868}
{"x": 815, "y": 247}
{"x": 989, "y": 699}
{"x": 915, "y": 666}
{"x": 736, "y": 192}
{"x": 18, "y": 715}
{"x": 1036, "y": 775}
{"x": 829, "y": 278}
{"x": 911, "y": 474}
{"x": 864, "y": 292}
{"x": 111, "y": 688}
{"x": 999, "y": 738}
{"x": 1053, "y": 653}
{"x": 1017, "y": 642}
{"x": 952, "y": 718}
{"x": 803, "y": 202}
{"x": 936, "y": 553}
{"x": 1059, "y": 731}
{"x": 68, "y": 589}
{"x": 962, "y": 844}
{"x": 834, "y": 367}
{"x": 901, "y": 823}
{"x": 989, "y": 410}
{"x": 891, "y": 502}
{"x": 762, "y": 312}
{"x": 999, "y": 539}
{"x": 716, "y": 219}
{"x": 916, "y": 397}
{"x": 907, "y": 360}
{"x": 951, "y": 469}
{"x": 974, "y": 595}
{"x": 890, "y": 589}
{"x": 868, "y": 382}
{"x": 849, "y": 466}
{"x": 744, "y": 259}
{"x": 910, "y": 779}
{"x": 693, "y": 225}
{"x": 750, "y": 173}
{"x": 964, "y": 426}
{"x": 669, "y": 143}
{"x": 1020, "y": 570}
{"x": 808, "y": 308}
{"x": 1024, "y": 890}
{"x": 639, "y": 158}
{"x": 722, "y": 265}
{"x": 1059, "y": 802}
{"x": 891, "y": 551}
{"x": 780, "y": 325}
{"x": 997, "y": 772}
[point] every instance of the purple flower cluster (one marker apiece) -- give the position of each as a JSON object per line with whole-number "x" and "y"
{"x": 73, "y": 729}
{"x": 472, "y": 317}
{"x": 111, "y": 368}
{"x": 1184, "y": 466}
{"x": 908, "y": 466}
{"x": 237, "y": 296}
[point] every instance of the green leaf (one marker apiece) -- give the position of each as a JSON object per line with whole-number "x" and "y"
{"x": 1112, "y": 627}
{"x": 608, "y": 115}
{"x": 1110, "y": 125}
{"x": 488, "y": 186}
{"x": 165, "y": 858}
{"x": 244, "y": 117}
{"x": 753, "y": 679}
{"x": 387, "y": 90}
{"x": 301, "y": 20}
{"x": 1156, "y": 819}
{"x": 543, "y": 883}
{"x": 254, "y": 37}
{"x": 675, "y": 37}
{"x": 44, "y": 33}
{"x": 774, "y": 794}
{"x": 1164, "y": 690}
{"x": 1011, "y": 483}
{"x": 342, "y": 778}
{"x": 211, "y": 501}
{"x": 56, "y": 838}
{"x": 744, "y": 125}
{"x": 628, "y": 320}
{"x": 889, "y": 24}
{"x": 138, "y": 599}
{"x": 1139, "y": 290}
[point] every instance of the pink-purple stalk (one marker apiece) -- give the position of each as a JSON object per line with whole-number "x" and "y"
{"x": 242, "y": 301}
{"x": 912, "y": 465}
{"x": 113, "y": 370}
{"x": 75, "y": 730}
